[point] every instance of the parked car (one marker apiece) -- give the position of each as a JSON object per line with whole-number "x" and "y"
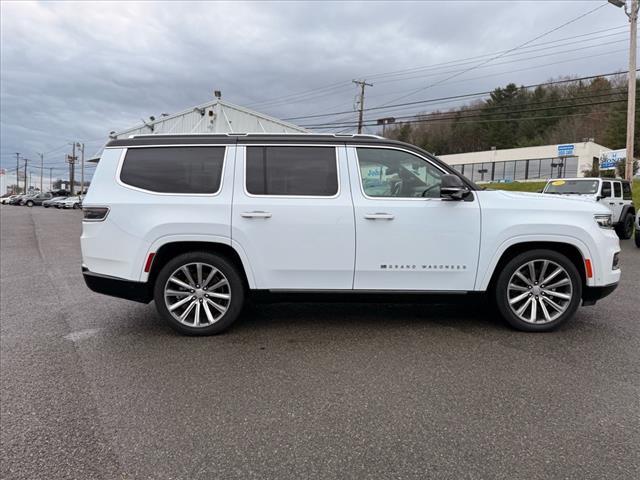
{"x": 199, "y": 222}
{"x": 614, "y": 194}
{"x": 52, "y": 202}
{"x": 637, "y": 235}
{"x": 16, "y": 200}
{"x": 7, "y": 200}
{"x": 37, "y": 199}
{"x": 69, "y": 202}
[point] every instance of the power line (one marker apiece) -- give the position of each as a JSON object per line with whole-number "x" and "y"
{"x": 460, "y": 115}
{"x": 466, "y": 95}
{"x": 321, "y": 91}
{"x": 484, "y": 62}
{"x": 413, "y": 69}
{"x": 506, "y": 72}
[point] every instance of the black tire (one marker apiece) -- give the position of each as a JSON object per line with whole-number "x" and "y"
{"x": 501, "y": 290}
{"x": 624, "y": 229}
{"x": 29, "y": 204}
{"x": 45, "y": 206}
{"x": 75, "y": 206}
{"x": 637, "y": 238}
{"x": 236, "y": 288}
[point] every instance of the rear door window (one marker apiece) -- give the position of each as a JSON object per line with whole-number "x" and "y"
{"x": 606, "y": 189}
{"x": 299, "y": 171}
{"x": 617, "y": 189}
{"x": 187, "y": 170}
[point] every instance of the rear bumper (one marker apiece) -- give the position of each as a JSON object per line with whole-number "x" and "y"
{"x": 590, "y": 295}
{"x": 117, "y": 287}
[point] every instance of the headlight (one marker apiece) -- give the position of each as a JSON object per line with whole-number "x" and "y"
{"x": 603, "y": 220}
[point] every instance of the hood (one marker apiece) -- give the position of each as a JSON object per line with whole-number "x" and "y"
{"x": 543, "y": 200}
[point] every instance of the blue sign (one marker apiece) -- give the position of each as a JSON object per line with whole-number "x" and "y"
{"x": 565, "y": 150}
{"x": 609, "y": 160}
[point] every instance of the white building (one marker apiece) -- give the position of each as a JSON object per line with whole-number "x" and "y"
{"x": 212, "y": 117}
{"x": 528, "y": 163}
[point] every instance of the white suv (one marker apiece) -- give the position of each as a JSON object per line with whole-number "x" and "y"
{"x": 200, "y": 222}
{"x": 613, "y": 193}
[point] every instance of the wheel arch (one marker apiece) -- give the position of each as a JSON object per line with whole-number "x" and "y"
{"x": 171, "y": 249}
{"x": 571, "y": 251}
{"x": 626, "y": 210}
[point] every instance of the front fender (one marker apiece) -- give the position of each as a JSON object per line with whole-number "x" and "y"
{"x": 484, "y": 277}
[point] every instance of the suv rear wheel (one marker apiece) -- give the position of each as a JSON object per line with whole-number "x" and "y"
{"x": 538, "y": 290}
{"x": 624, "y": 229}
{"x": 199, "y": 293}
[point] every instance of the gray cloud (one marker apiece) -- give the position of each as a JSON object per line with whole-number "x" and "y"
{"x": 78, "y": 70}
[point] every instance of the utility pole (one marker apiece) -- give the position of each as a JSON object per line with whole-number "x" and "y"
{"x": 17, "y": 172}
{"x": 631, "y": 102}
{"x": 72, "y": 160}
{"x": 41, "y": 169}
{"x": 50, "y": 178}
{"x": 631, "y": 9}
{"x": 26, "y": 160}
{"x": 362, "y": 84}
{"x": 81, "y": 146}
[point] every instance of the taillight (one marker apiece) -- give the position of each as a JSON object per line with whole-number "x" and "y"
{"x": 94, "y": 214}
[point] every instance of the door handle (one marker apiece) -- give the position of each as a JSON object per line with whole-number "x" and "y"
{"x": 379, "y": 216}
{"x": 256, "y": 214}
{"x": 612, "y": 203}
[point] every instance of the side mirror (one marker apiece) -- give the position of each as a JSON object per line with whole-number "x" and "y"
{"x": 452, "y": 188}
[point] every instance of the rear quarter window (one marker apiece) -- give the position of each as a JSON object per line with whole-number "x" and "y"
{"x": 626, "y": 191}
{"x": 187, "y": 170}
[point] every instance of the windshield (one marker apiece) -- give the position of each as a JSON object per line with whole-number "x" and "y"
{"x": 582, "y": 187}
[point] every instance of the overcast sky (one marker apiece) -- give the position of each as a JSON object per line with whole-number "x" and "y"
{"x": 76, "y": 71}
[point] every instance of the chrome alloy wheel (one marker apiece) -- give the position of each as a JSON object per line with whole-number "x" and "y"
{"x": 539, "y": 291}
{"x": 197, "y": 294}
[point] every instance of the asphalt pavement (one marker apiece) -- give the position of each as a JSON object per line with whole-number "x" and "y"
{"x": 93, "y": 387}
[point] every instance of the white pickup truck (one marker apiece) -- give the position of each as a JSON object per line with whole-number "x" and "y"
{"x": 615, "y": 194}
{"x": 198, "y": 223}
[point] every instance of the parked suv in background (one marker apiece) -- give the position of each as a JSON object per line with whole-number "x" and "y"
{"x": 36, "y": 199}
{"x": 199, "y": 222}
{"x": 612, "y": 193}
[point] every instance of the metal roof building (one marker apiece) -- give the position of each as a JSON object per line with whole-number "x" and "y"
{"x": 212, "y": 117}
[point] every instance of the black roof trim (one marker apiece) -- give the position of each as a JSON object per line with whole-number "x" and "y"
{"x": 248, "y": 139}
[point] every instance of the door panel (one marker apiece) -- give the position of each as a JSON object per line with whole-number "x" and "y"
{"x": 294, "y": 242}
{"x": 405, "y": 241}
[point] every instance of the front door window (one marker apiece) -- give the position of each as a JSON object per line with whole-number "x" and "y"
{"x": 398, "y": 174}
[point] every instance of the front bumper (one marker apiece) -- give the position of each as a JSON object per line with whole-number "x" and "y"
{"x": 590, "y": 295}
{"x": 117, "y": 287}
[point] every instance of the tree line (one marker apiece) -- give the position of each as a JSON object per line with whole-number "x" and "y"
{"x": 515, "y": 116}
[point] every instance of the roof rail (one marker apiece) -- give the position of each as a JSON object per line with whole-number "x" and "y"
{"x": 233, "y": 134}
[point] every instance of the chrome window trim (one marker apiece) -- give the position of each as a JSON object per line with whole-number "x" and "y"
{"x": 171, "y": 194}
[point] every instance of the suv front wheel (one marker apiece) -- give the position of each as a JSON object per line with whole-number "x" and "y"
{"x": 538, "y": 290}
{"x": 199, "y": 293}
